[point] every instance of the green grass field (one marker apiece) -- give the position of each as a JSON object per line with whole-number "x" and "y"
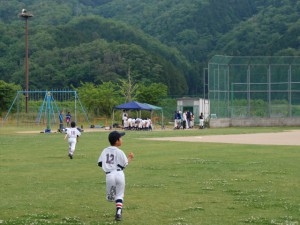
{"x": 171, "y": 183}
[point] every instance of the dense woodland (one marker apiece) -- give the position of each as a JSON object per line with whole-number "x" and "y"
{"x": 159, "y": 41}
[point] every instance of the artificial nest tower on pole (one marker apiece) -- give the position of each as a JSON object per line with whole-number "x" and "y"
{"x": 25, "y": 15}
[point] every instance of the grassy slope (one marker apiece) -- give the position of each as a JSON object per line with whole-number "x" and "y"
{"x": 168, "y": 182}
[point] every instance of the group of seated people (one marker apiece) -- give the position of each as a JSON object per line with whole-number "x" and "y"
{"x": 137, "y": 124}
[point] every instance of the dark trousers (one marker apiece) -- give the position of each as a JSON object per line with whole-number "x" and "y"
{"x": 184, "y": 124}
{"x": 61, "y": 126}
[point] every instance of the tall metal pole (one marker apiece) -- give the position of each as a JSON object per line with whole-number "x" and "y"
{"x": 26, "y": 15}
{"x": 27, "y": 68}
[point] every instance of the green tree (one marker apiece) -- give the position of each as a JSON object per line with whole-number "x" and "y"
{"x": 152, "y": 94}
{"x": 109, "y": 97}
{"x": 7, "y": 94}
{"x": 99, "y": 99}
{"x": 128, "y": 88}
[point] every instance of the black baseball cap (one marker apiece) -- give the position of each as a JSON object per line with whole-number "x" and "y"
{"x": 114, "y": 136}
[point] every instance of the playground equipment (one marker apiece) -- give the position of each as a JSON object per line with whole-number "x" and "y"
{"x": 44, "y": 108}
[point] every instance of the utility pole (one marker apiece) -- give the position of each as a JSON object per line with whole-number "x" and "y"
{"x": 25, "y": 15}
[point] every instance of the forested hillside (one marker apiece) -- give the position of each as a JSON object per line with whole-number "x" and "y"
{"x": 165, "y": 41}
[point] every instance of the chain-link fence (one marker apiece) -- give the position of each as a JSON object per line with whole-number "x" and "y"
{"x": 243, "y": 87}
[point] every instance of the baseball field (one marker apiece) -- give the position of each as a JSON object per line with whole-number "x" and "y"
{"x": 208, "y": 177}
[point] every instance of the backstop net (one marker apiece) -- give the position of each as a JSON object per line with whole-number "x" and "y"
{"x": 241, "y": 87}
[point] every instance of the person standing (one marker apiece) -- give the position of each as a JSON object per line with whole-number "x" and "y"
{"x": 184, "y": 121}
{"x": 113, "y": 161}
{"x": 201, "y": 121}
{"x": 192, "y": 120}
{"x": 177, "y": 120}
{"x": 188, "y": 118}
{"x": 73, "y": 135}
{"x": 68, "y": 118}
{"x": 124, "y": 117}
{"x": 61, "y": 121}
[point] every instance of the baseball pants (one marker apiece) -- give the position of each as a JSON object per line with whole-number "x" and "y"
{"x": 72, "y": 145}
{"x": 115, "y": 185}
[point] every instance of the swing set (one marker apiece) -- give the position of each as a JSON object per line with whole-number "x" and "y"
{"x": 45, "y": 107}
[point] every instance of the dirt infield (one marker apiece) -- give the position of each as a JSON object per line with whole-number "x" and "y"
{"x": 291, "y": 137}
{"x": 283, "y": 138}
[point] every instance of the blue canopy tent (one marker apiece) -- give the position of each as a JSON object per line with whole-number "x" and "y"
{"x": 156, "y": 108}
{"x": 134, "y": 105}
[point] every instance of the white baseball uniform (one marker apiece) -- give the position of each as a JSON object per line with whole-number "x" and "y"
{"x": 72, "y": 138}
{"x": 114, "y": 161}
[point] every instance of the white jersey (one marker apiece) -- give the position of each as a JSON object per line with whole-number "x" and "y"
{"x": 124, "y": 116}
{"x": 73, "y": 132}
{"x": 112, "y": 159}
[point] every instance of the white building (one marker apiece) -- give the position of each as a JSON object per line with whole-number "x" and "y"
{"x": 194, "y": 105}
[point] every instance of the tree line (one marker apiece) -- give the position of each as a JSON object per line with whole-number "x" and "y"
{"x": 97, "y": 41}
{"x": 97, "y": 99}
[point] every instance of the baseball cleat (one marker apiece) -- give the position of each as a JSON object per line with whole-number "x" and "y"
{"x": 71, "y": 156}
{"x": 118, "y": 217}
{"x": 119, "y": 214}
